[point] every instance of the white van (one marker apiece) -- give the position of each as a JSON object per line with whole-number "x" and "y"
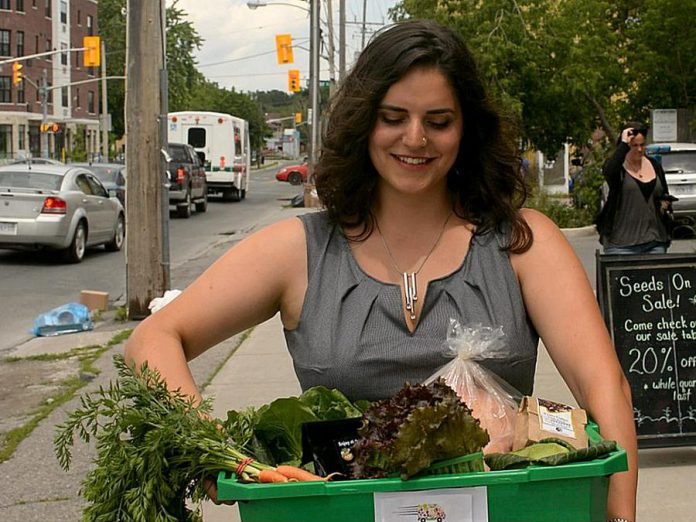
{"x": 222, "y": 142}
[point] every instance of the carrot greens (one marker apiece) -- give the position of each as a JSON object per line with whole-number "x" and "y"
{"x": 154, "y": 447}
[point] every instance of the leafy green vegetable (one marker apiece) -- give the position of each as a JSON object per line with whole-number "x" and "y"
{"x": 154, "y": 447}
{"x": 419, "y": 425}
{"x": 551, "y": 452}
{"x": 273, "y": 432}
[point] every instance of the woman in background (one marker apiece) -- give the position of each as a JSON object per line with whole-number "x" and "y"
{"x": 633, "y": 219}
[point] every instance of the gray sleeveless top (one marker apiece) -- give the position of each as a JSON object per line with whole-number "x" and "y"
{"x": 352, "y": 334}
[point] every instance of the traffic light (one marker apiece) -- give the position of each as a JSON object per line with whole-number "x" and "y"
{"x": 298, "y": 118}
{"x": 17, "y": 73}
{"x": 284, "y": 48}
{"x": 91, "y": 56}
{"x": 53, "y": 128}
{"x": 294, "y": 80}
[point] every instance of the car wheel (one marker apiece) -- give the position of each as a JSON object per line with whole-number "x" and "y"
{"x": 183, "y": 210}
{"x": 243, "y": 193}
{"x": 295, "y": 178}
{"x": 202, "y": 206}
{"x": 117, "y": 242}
{"x": 231, "y": 195}
{"x": 76, "y": 251}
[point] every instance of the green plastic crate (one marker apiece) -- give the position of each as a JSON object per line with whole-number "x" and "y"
{"x": 575, "y": 492}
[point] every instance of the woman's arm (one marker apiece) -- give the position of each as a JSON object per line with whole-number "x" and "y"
{"x": 612, "y": 168}
{"x": 564, "y": 310}
{"x": 261, "y": 275}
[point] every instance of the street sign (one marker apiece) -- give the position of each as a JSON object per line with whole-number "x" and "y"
{"x": 664, "y": 125}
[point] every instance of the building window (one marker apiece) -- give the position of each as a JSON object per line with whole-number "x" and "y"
{"x": 64, "y": 54}
{"x": 6, "y": 141}
{"x": 77, "y": 97}
{"x": 4, "y": 42}
{"x": 22, "y": 138}
{"x": 49, "y": 93}
{"x": 49, "y": 47}
{"x": 64, "y": 96}
{"x": 63, "y": 12}
{"x": 19, "y": 6}
{"x": 90, "y": 102}
{"x": 36, "y": 44}
{"x": 47, "y": 10}
{"x": 79, "y": 17}
{"x": 20, "y": 43}
{"x": 5, "y": 89}
{"x": 20, "y": 93}
{"x": 5, "y": 4}
{"x": 90, "y": 25}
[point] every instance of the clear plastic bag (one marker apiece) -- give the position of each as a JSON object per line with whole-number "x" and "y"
{"x": 493, "y": 401}
{"x": 68, "y": 318}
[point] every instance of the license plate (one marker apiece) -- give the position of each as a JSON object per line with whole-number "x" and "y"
{"x": 683, "y": 189}
{"x": 8, "y": 229}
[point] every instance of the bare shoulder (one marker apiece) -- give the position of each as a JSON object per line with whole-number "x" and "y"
{"x": 549, "y": 245}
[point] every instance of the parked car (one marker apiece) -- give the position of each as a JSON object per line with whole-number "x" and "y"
{"x": 187, "y": 179}
{"x": 679, "y": 162}
{"x": 112, "y": 176}
{"x": 293, "y": 174}
{"x": 59, "y": 207}
{"x": 37, "y": 161}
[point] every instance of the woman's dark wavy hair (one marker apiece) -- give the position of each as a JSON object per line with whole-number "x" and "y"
{"x": 485, "y": 179}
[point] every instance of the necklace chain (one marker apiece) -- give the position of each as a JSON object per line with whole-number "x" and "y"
{"x": 410, "y": 281}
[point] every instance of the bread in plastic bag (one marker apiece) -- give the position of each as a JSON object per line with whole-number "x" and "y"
{"x": 492, "y": 400}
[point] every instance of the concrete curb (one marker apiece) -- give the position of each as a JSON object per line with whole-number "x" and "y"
{"x": 588, "y": 230}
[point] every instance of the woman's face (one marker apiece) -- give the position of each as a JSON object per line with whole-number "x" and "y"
{"x": 637, "y": 144}
{"x": 415, "y": 140}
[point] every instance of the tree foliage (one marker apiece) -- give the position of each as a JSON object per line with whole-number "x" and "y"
{"x": 565, "y": 67}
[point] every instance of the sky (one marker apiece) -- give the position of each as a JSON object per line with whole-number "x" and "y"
{"x": 239, "y": 43}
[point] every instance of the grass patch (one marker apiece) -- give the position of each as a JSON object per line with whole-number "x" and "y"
{"x": 86, "y": 355}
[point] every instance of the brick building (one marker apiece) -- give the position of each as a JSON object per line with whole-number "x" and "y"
{"x": 29, "y": 27}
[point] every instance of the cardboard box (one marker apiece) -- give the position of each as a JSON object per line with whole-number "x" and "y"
{"x": 94, "y": 300}
{"x": 542, "y": 419}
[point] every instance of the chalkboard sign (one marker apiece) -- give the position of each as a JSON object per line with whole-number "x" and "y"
{"x": 649, "y": 306}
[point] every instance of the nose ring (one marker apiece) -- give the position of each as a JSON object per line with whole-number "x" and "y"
{"x": 425, "y": 141}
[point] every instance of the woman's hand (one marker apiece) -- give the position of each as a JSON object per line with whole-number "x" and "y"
{"x": 627, "y": 135}
{"x": 210, "y": 486}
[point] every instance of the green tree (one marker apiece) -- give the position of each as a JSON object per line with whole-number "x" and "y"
{"x": 565, "y": 67}
{"x": 209, "y": 96}
{"x": 182, "y": 41}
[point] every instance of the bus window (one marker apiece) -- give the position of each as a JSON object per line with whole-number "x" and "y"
{"x": 196, "y": 137}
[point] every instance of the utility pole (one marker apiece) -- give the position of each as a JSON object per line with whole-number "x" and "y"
{"x": 341, "y": 40}
{"x": 147, "y": 272}
{"x": 364, "y": 22}
{"x": 314, "y": 86}
{"x": 44, "y": 113}
{"x": 331, "y": 50}
{"x": 105, "y": 112}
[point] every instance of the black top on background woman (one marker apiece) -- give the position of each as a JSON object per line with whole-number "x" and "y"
{"x": 631, "y": 221}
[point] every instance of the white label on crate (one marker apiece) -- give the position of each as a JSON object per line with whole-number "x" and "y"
{"x": 556, "y": 418}
{"x": 433, "y": 505}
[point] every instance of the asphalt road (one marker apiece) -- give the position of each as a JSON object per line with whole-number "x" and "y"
{"x": 35, "y": 282}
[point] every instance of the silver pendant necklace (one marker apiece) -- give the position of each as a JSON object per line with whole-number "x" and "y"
{"x": 410, "y": 281}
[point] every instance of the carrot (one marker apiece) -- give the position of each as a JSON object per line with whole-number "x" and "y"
{"x": 269, "y": 475}
{"x": 299, "y": 474}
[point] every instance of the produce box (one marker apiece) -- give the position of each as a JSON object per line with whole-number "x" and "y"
{"x": 574, "y": 492}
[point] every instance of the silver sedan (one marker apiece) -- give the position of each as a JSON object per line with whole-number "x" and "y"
{"x": 58, "y": 207}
